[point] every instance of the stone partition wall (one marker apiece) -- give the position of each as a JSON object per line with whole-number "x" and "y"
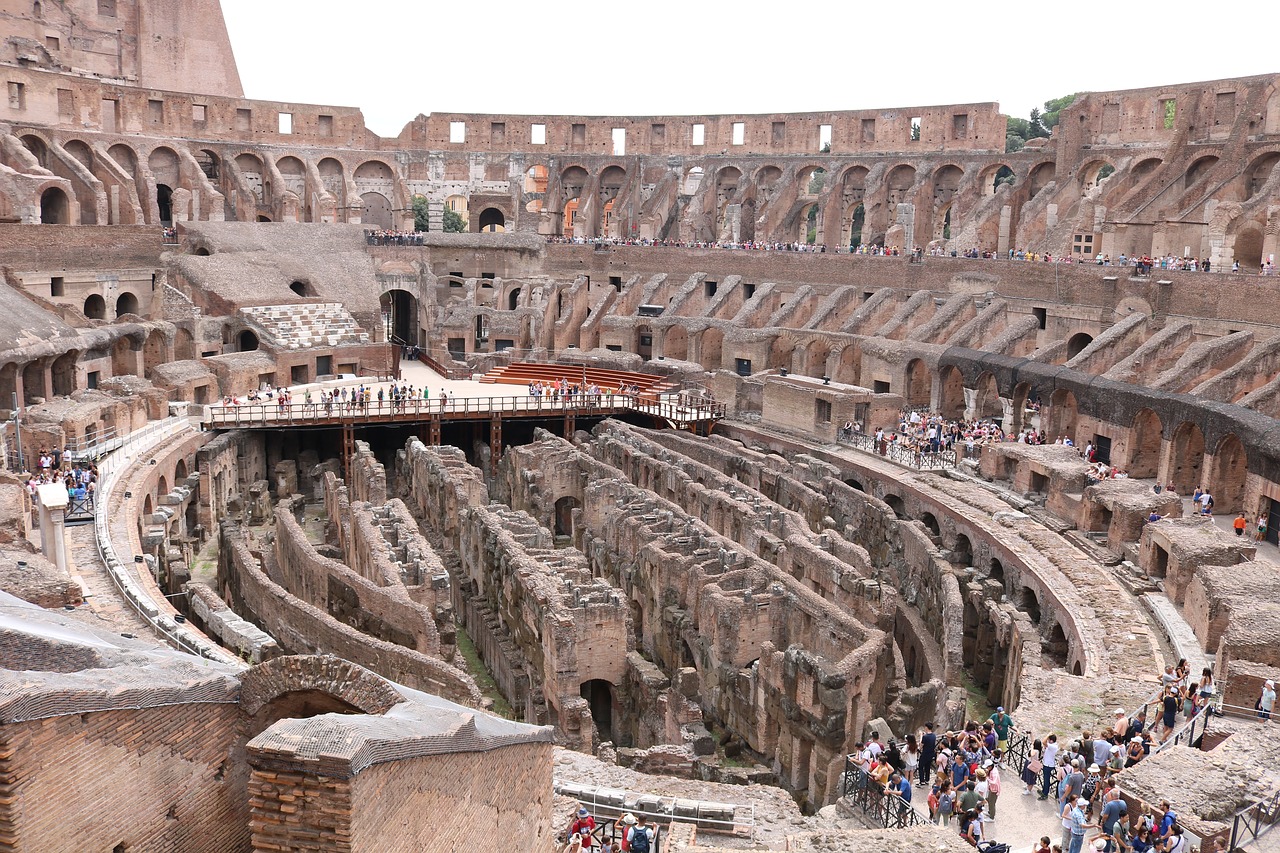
{"x": 384, "y": 612}
{"x": 302, "y": 628}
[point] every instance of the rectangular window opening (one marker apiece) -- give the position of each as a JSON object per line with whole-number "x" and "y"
{"x": 200, "y": 112}
{"x": 824, "y": 138}
{"x": 739, "y": 132}
{"x": 109, "y": 111}
{"x": 868, "y": 130}
{"x": 619, "y": 141}
{"x": 324, "y": 125}
{"x": 17, "y": 96}
{"x": 1170, "y": 113}
{"x": 879, "y": 386}
{"x": 748, "y": 290}
{"x": 742, "y": 366}
{"x": 244, "y": 120}
{"x": 699, "y": 134}
{"x": 286, "y": 123}
{"x": 578, "y": 134}
{"x": 497, "y": 131}
{"x": 66, "y": 105}
{"x": 710, "y": 287}
{"x": 155, "y": 110}
{"x": 52, "y": 44}
{"x": 537, "y": 134}
{"x": 57, "y": 286}
{"x": 822, "y": 411}
{"x": 1042, "y": 317}
{"x": 457, "y": 132}
{"x": 959, "y": 126}
{"x": 779, "y": 133}
{"x": 917, "y": 128}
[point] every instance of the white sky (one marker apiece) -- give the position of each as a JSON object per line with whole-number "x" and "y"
{"x": 397, "y": 58}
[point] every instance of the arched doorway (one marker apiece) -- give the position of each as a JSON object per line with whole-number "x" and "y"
{"x": 1077, "y": 343}
{"x": 376, "y": 211}
{"x": 1029, "y": 604}
{"x": 126, "y": 303}
{"x": 1144, "y": 445}
{"x": 492, "y": 220}
{"x": 1021, "y": 399}
{"x": 602, "y": 701}
{"x": 153, "y": 351}
{"x": 64, "y": 373}
{"x": 930, "y": 521}
{"x": 95, "y": 307}
{"x": 164, "y": 201}
{"x": 564, "y": 515}
{"x": 675, "y": 344}
{"x": 917, "y": 390}
{"x": 33, "y": 382}
{"x": 712, "y": 350}
{"x": 1186, "y": 458}
{"x": 55, "y": 208}
{"x": 644, "y": 342}
{"x": 400, "y": 316}
{"x": 1230, "y": 466}
{"x": 1063, "y": 414}
{"x": 247, "y": 341}
{"x": 951, "y": 393}
{"x": 896, "y": 504}
{"x": 986, "y": 399}
{"x": 513, "y": 299}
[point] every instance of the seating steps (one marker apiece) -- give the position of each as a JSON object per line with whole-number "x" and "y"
{"x": 314, "y": 324}
{"x": 522, "y": 373}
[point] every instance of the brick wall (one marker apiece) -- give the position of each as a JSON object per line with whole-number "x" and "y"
{"x": 165, "y": 778}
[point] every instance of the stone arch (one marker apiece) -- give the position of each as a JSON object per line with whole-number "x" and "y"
{"x": 995, "y": 570}
{"x": 306, "y": 685}
{"x": 1230, "y": 467}
{"x": 180, "y": 472}
{"x": 126, "y": 303}
{"x": 162, "y": 487}
{"x": 946, "y": 183}
{"x": 376, "y": 210}
{"x": 1144, "y": 168}
{"x": 55, "y": 207}
{"x": 1258, "y": 172}
{"x": 711, "y": 348}
{"x": 1056, "y": 647}
{"x": 916, "y": 387}
{"x": 1248, "y": 246}
{"x": 995, "y": 176}
{"x": 125, "y": 157}
{"x": 767, "y": 177}
{"x": 1063, "y": 415}
{"x": 602, "y": 699}
{"x": 1094, "y": 172}
{"x": 899, "y": 183}
{"x": 1021, "y": 397}
{"x": 849, "y": 366}
{"x": 1040, "y": 176}
{"x": 247, "y": 341}
{"x": 1077, "y": 343}
{"x": 33, "y": 381}
{"x": 374, "y": 170}
{"x": 986, "y": 398}
{"x": 148, "y": 508}
{"x": 854, "y": 484}
{"x": 1029, "y": 603}
{"x": 816, "y": 355}
{"x": 492, "y": 219}
{"x": 302, "y": 288}
{"x": 1199, "y": 168}
{"x": 253, "y": 175}
{"x": 675, "y": 343}
{"x": 564, "y": 515}
{"x": 95, "y": 307}
{"x": 962, "y": 551}
{"x": 513, "y": 299}
{"x": 184, "y": 345}
{"x": 153, "y": 351}
{"x": 399, "y": 309}
{"x": 80, "y": 151}
{"x": 38, "y": 148}
{"x": 123, "y": 360}
{"x": 1145, "y": 440}
{"x": 930, "y": 521}
{"x": 692, "y": 181}
{"x": 63, "y": 373}
{"x": 1186, "y": 458}
{"x": 896, "y": 504}
{"x": 573, "y": 181}
{"x": 333, "y": 178}
{"x": 951, "y": 393}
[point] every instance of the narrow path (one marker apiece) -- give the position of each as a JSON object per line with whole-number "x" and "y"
{"x": 103, "y": 602}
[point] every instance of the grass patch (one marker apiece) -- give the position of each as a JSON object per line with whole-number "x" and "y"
{"x": 483, "y": 678}
{"x": 976, "y": 706}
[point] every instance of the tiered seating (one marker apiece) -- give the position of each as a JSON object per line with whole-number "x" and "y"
{"x": 523, "y": 372}
{"x": 308, "y": 325}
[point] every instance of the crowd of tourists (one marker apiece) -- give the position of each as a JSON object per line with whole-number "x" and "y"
{"x": 632, "y": 834}
{"x": 53, "y": 466}
{"x": 388, "y": 237}
{"x": 1142, "y": 265}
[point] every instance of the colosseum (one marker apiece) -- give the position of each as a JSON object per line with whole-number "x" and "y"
{"x": 717, "y": 471}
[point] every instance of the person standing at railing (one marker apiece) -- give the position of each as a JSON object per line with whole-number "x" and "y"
{"x": 1267, "y": 701}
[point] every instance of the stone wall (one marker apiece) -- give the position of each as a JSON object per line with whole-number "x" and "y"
{"x": 302, "y": 628}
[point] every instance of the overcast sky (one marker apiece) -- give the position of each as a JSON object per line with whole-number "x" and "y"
{"x": 397, "y": 58}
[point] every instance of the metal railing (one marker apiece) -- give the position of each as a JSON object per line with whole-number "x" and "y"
{"x": 896, "y": 452}
{"x": 884, "y": 808}
{"x": 1254, "y": 821}
{"x": 675, "y": 409}
{"x": 447, "y": 371}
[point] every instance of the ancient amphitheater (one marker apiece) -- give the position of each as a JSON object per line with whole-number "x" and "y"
{"x": 692, "y": 587}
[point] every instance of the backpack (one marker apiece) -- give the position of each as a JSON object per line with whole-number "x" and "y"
{"x": 639, "y": 842}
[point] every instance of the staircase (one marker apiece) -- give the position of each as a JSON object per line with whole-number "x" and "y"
{"x": 314, "y": 324}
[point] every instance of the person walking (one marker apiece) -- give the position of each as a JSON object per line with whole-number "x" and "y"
{"x": 1267, "y": 702}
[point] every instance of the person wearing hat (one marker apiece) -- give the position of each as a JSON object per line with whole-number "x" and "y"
{"x": 1136, "y": 753}
{"x": 583, "y": 825}
{"x": 1003, "y": 724}
{"x": 1116, "y": 761}
{"x": 1267, "y": 702}
{"x": 627, "y": 821}
{"x": 1121, "y": 724}
{"x": 1091, "y": 787}
{"x": 992, "y": 767}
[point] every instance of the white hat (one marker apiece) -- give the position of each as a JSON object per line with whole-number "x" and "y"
{"x": 629, "y": 819}
{"x": 1271, "y": 684}
{"x": 1093, "y": 768}
{"x": 1100, "y": 844}
{"x": 1136, "y": 740}
{"x": 1119, "y": 712}
{"x": 1115, "y": 748}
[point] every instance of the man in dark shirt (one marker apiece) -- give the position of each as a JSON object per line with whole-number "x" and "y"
{"x": 928, "y": 751}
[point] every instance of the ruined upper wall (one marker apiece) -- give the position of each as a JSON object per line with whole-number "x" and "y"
{"x": 959, "y": 127}
{"x": 177, "y": 44}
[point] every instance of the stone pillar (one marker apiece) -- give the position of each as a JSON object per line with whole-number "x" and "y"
{"x": 53, "y": 500}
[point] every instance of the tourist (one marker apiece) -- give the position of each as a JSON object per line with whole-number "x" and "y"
{"x": 639, "y": 838}
{"x": 1050, "y": 761}
{"x": 945, "y": 802}
{"x": 1035, "y": 764}
{"x": 1262, "y": 527}
{"x": 928, "y": 752}
{"x": 583, "y": 824}
{"x": 993, "y": 785}
{"x": 911, "y": 759}
{"x": 1240, "y": 524}
{"x": 968, "y": 828}
{"x": 1267, "y": 701}
{"x": 1002, "y": 723}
